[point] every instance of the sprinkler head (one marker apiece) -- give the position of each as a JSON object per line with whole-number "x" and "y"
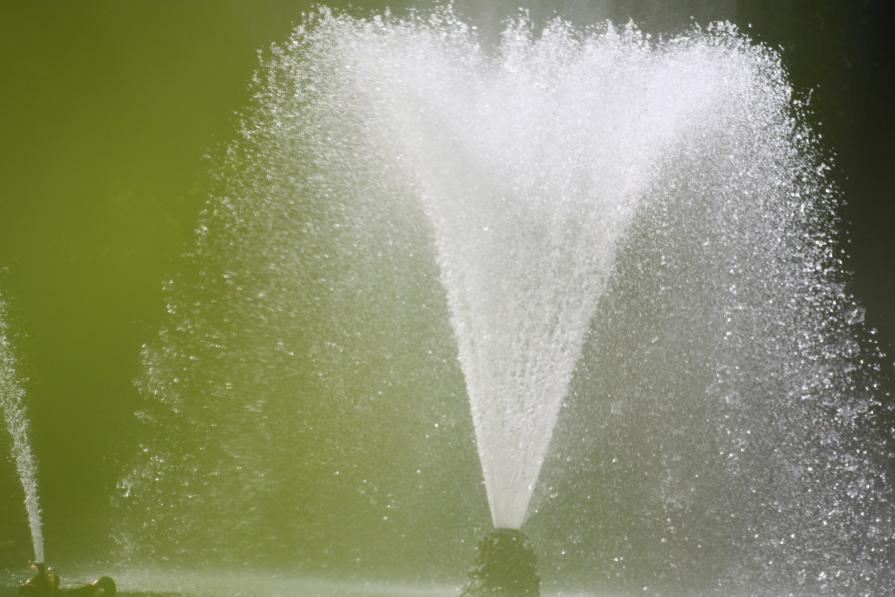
{"x": 505, "y": 566}
{"x": 45, "y": 583}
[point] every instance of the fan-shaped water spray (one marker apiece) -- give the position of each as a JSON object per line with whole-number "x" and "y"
{"x": 530, "y": 164}
{"x": 639, "y": 230}
{"x": 12, "y": 403}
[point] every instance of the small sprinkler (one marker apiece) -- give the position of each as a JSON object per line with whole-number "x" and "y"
{"x": 505, "y": 566}
{"x": 45, "y": 583}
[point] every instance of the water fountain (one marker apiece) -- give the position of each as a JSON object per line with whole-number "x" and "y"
{"x": 45, "y": 581}
{"x": 12, "y": 405}
{"x": 617, "y": 253}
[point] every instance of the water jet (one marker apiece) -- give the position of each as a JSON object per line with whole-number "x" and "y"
{"x": 45, "y": 581}
{"x": 609, "y": 259}
{"x": 12, "y": 405}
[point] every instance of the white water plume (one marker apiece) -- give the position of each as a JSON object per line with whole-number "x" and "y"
{"x": 530, "y": 161}
{"x": 630, "y": 245}
{"x": 12, "y": 403}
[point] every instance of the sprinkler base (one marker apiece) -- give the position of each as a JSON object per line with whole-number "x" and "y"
{"x": 505, "y": 567}
{"x": 45, "y": 583}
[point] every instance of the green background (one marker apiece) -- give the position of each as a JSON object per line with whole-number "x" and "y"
{"x": 109, "y": 108}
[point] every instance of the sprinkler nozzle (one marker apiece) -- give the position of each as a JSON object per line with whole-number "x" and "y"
{"x": 44, "y": 582}
{"x": 505, "y": 566}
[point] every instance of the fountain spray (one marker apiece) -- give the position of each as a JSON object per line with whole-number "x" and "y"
{"x": 636, "y": 240}
{"x": 12, "y": 402}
